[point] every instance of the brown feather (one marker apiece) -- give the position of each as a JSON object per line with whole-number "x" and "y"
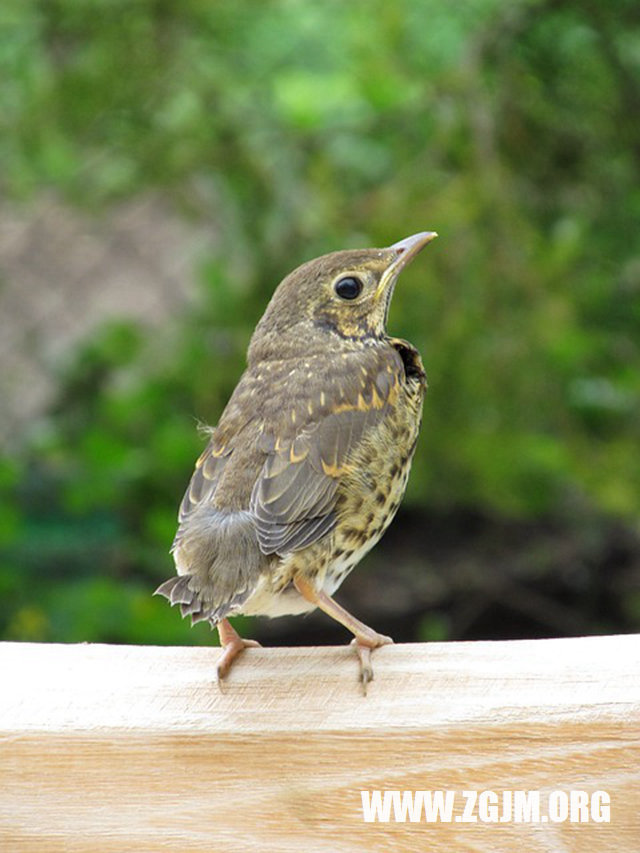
{"x": 294, "y": 498}
{"x": 294, "y": 448}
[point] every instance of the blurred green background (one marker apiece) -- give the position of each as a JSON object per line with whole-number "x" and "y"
{"x": 278, "y": 131}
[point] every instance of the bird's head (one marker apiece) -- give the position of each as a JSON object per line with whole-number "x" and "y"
{"x": 345, "y": 293}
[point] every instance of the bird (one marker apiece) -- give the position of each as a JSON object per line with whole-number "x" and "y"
{"x": 310, "y": 458}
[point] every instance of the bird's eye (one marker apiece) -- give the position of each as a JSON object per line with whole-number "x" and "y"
{"x": 348, "y": 288}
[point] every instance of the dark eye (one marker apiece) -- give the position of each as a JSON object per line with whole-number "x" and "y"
{"x": 348, "y": 288}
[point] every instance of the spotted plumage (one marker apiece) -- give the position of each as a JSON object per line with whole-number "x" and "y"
{"x": 310, "y": 459}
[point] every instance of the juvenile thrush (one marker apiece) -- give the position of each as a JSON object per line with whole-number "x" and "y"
{"x": 310, "y": 459}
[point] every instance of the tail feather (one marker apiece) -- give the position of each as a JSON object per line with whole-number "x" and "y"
{"x": 219, "y": 563}
{"x": 178, "y": 591}
{"x": 190, "y": 607}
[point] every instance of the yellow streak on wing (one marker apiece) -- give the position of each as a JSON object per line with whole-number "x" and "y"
{"x": 216, "y": 452}
{"x": 394, "y": 391}
{"x": 296, "y": 457}
{"x": 376, "y": 400}
{"x": 335, "y": 470}
{"x": 343, "y": 407}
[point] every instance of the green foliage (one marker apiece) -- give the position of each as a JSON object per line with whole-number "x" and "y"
{"x": 298, "y": 128}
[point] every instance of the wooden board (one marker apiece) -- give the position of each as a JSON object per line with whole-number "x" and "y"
{"x": 111, "y": 748}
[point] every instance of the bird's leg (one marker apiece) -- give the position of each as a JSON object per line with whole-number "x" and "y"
{"x": 232, "y": 645}
{"x": 365, "y": 638}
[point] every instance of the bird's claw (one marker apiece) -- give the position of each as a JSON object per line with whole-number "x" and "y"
{"x": 364, "y": 647}
{"x": 230, "y": 652}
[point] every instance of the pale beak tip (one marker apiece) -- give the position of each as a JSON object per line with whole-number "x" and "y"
{"x": 416, "y": 242}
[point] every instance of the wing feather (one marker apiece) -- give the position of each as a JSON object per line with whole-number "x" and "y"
{"x": 294, "y": 499}
{"x": 208, "y": 471}
{"x": 301, "y": 451}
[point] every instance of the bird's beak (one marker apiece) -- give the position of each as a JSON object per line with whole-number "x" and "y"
{"x": 405, "y": 250}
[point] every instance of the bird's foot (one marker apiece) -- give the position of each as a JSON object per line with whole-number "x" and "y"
{"x": 365, "y": 638}
{"x": 232, "y": 645}
{"x": 364, "y": 646}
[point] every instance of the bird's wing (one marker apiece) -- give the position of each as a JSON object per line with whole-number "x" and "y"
{"x": 215, "y": 548}
{"x": 203, "y": 483}
{"x": 205, "y": 478}
{"x": 310, "y": 447}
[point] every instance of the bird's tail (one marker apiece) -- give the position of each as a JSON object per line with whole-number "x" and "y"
{"x": 218, "y": 562}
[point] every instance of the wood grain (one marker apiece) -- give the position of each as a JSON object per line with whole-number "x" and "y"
{"x": 112, "y": 748}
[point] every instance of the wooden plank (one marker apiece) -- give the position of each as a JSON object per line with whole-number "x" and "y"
{"x": 107, "y": 748}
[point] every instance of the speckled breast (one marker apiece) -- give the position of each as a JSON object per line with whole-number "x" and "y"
{"x": 372, "y": 492}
